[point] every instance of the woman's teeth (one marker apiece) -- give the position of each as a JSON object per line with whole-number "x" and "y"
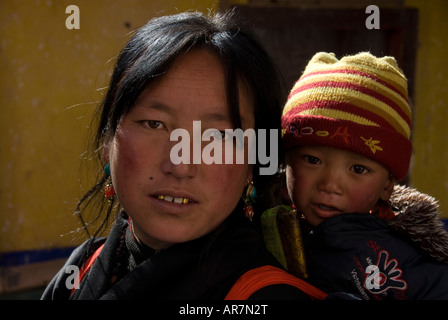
{"x": 175, "y": 200}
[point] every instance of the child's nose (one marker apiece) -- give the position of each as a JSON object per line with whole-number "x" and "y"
{"x": 331, "y": 181}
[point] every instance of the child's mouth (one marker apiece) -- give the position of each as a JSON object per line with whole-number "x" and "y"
{"x": 328, "y": 208}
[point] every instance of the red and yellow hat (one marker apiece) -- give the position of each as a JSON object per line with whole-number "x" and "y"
{"x": 359, "y": 103}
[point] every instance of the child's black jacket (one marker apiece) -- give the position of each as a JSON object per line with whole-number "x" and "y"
{"x": 403, "y": 258}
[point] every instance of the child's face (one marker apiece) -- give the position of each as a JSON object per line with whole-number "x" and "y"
{"x": 324, "y": 182}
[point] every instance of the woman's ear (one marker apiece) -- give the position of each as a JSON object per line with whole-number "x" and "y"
{"x": 106, "y": 149}
{"x": 388, "y": 188}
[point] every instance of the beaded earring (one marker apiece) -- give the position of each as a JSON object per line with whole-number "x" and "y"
{"x": 249, "y": 200}
{"x": 109, "y": 191}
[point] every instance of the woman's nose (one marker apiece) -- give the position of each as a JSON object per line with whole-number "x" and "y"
{"x": 178, "y": 159}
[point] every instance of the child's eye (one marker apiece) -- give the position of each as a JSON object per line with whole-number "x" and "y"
{"x": 359, "y": 169}
{"x": 311, "y": 159}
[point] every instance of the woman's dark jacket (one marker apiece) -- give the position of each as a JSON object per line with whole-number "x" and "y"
{"x": 205, "y": 268}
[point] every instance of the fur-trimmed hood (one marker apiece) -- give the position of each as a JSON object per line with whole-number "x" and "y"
{"x": 417, "y": 217}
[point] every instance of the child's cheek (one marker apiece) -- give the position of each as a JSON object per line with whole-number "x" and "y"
{"x": 299, "y": 187}
{"x": 362, "y": 201}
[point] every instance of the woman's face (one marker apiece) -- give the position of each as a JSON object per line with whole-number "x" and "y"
{"x": 171, "y": 203}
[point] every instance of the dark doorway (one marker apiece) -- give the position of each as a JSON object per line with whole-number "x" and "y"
{"x": 292, "y": 35}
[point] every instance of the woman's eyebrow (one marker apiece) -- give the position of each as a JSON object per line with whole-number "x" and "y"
{"x": 220, "y": 117}
{"x": 157, "y": 106}
{"x": 160, "y": 107}
{"x": 205, "y": 117}
{"x": 215, "y": 116}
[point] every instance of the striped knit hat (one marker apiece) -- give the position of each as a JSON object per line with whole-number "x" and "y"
{"x": 359, "y": 103}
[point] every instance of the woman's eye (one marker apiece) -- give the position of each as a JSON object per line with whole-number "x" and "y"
{"x": 220, "y": 134}
{"x": 216, "y": 134}
{"x": 359, "y": 169}
{"x": 153, "y": 124}
{"x": 311, "y": 159}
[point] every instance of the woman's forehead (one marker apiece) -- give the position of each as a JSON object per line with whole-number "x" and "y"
{"x": 200, "y": 76}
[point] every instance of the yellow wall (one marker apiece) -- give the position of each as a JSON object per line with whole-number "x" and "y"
{"x": 49, "y": 77}
{"x": 429, "y": 172}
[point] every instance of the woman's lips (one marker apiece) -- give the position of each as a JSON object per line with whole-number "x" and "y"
{"x": 180, "y": 200}
{"x": 173, "y": 203}
{"x": 174, "y": 196}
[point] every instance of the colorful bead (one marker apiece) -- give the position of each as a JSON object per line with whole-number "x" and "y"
{"x": 107, "y": 169}
{"x": 249, "y": 212}
{"x": 250, "y": 193}
{"x": 109, "y": 191}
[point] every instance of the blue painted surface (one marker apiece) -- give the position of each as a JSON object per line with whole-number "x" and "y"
{"x": 17, "y": 258}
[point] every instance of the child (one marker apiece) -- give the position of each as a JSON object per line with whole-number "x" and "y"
{"x": 346, "y": 130}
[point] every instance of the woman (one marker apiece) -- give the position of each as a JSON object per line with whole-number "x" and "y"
{"x": 181, "y": 232}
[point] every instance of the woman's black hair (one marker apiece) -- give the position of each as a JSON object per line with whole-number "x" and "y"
{"x": 150, "y": 53}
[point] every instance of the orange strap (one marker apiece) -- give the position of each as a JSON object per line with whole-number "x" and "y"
{"x": 258, "y": 278}
{"x": 87, "y": 265}
{"x": 250, "y": 282}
